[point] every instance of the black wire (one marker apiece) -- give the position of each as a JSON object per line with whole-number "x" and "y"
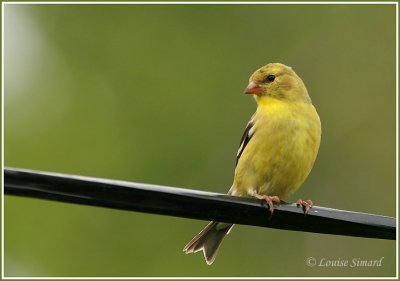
{"x": 193, "y": 204}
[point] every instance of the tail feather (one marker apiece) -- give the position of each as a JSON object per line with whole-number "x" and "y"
{"x": 209, "y": 240}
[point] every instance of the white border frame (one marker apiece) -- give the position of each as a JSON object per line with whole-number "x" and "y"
{"x": 197, "y": 3}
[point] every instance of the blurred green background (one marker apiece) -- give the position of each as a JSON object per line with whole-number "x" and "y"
{"x": 153, "y": 93}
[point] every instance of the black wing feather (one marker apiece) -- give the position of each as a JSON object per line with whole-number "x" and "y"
{"x": 245, "y": 139}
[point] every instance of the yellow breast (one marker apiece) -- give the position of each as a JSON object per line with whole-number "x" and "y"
{"x": 282, "y": 151}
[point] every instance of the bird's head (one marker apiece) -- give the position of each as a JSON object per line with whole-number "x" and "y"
{"x": 276, "y": 80}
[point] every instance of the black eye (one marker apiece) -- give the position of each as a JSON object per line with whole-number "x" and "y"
{"x": 270, "y": 78}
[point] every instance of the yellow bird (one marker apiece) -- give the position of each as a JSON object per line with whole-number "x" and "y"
{"x": 277, "y": 151}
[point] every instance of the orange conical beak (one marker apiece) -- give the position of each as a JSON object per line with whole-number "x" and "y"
{"x": 253, "y": 89}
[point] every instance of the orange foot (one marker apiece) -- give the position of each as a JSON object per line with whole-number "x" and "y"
{"x": 305, "y": 204}
{"x": 270, "y": 200}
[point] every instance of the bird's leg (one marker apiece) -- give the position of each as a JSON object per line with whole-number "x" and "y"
{"x": 270, "y": 200}
{"x": 305, "y": 204}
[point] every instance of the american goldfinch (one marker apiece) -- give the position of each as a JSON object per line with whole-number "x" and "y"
{"x": 277, "y": 150}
